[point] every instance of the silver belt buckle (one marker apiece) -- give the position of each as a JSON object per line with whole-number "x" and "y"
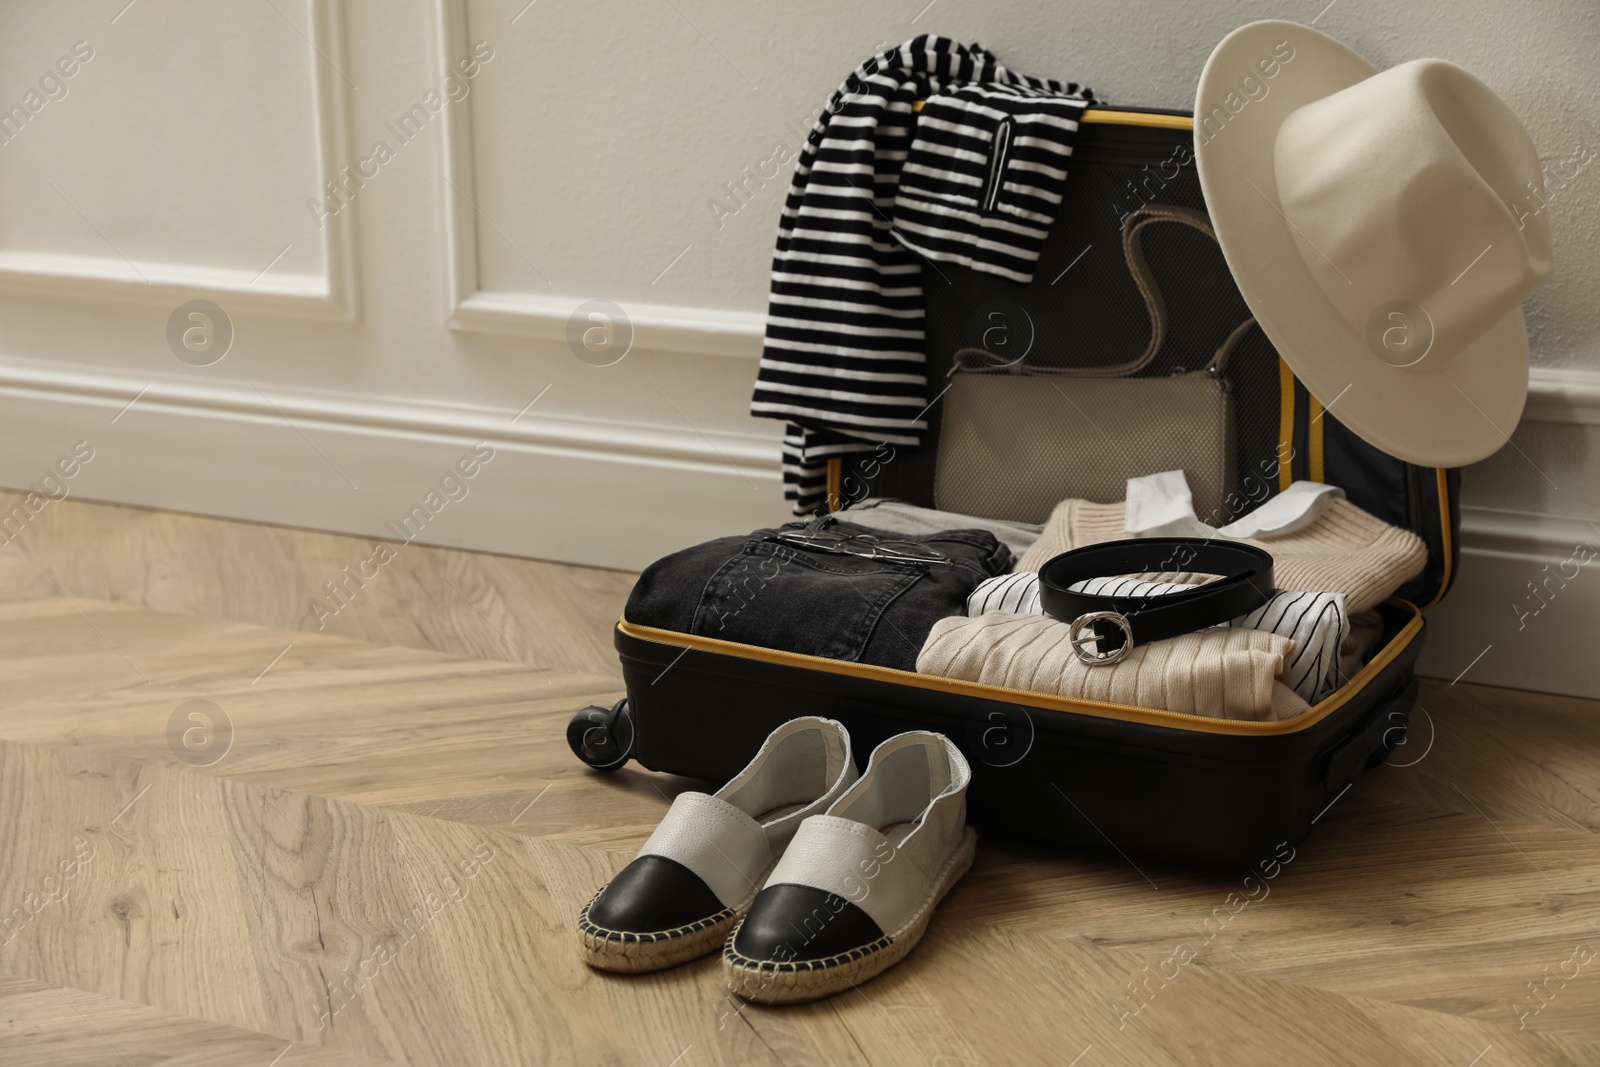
{"x": 1081, "y": 641}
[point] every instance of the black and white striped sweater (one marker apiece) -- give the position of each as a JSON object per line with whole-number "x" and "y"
{"x": 844, "y": 358}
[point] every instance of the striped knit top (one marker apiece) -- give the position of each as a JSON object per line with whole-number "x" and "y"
{"x": 843, "y": 361}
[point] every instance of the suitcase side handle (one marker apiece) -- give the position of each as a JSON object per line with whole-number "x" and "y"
{"x": 1373, "y": 738}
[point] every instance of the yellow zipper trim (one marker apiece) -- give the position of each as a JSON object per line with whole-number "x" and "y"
{"x": 1137, "y": 118}
{"x": 1096, "y": 708}
{"x": 1103, "y": 117}
{"x": 1285, "y": 425}
{"x": 1443, "y": 477}
{"x": 1314, "y": 438}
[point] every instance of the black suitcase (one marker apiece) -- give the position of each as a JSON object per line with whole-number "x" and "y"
{"x": 1144, "y": 783}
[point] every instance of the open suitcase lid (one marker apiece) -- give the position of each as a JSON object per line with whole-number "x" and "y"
{"x": 1123, "y": 160}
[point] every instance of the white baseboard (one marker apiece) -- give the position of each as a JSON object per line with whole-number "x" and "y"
{"x": 577, "y": 491}
{"x": 1570, "y": 396}
{"x": 1494, "y": 629}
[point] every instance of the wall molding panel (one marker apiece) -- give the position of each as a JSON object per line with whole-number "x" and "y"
{"x": 459, "y": 192}
{"x": 331, "y": 295}
{"x": 656, "y": 327}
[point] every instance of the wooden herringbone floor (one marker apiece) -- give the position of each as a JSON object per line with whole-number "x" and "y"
{"x": 383, "y": 863}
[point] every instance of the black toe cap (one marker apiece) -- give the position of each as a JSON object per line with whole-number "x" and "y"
{"x": 798, "y": 922}
{"x": 653, "y": 894}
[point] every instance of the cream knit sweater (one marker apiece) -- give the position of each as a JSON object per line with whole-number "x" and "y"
{"x": 1224, "y": 672}
{"x": 1345, "y": 551}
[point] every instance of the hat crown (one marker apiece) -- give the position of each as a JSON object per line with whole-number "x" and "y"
{"x": 1414, "y": 200}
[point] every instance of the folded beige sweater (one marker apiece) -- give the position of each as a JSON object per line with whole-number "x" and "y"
{"x": 1224, "y": 672}
{"x": 1345, "y": 551}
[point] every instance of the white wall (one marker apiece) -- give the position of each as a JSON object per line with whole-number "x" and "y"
{"x": 370, "y": 351}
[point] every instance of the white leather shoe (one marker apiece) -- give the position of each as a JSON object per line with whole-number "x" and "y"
{"x": 855, "y": 890}
{"x": 696, "y": 875}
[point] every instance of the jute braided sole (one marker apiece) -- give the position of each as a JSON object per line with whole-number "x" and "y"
{"x": 773, "y": 982}
{"x": 627, "y": 952}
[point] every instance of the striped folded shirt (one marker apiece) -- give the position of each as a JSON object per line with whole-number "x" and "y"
{"x": 1315, "y": 622}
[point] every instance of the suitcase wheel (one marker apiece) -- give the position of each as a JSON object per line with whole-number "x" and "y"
{"x": 602, "y": 738}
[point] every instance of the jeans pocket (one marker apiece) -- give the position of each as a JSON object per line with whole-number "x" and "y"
{"x": 776, "y": 596}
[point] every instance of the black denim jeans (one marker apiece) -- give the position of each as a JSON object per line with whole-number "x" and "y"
{"x": 758, "y": 591}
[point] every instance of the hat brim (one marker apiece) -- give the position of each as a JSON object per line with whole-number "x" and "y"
{"x": 1442, "y": 413}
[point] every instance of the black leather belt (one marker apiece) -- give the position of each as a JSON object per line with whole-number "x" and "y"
{"x": 1116, "y": 623}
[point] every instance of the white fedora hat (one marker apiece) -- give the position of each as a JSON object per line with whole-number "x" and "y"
{"x": 1384, "y": 228}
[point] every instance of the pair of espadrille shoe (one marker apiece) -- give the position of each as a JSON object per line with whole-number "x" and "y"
{"x": 810, "y": 879}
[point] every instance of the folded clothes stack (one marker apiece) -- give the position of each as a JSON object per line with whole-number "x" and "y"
{"x": 1333, "y": 564}
{"x": 1325, "y": 652}
{"x": 1222, "y": 672}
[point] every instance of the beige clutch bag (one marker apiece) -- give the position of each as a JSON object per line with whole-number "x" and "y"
{"x": 1016, "y": 440}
